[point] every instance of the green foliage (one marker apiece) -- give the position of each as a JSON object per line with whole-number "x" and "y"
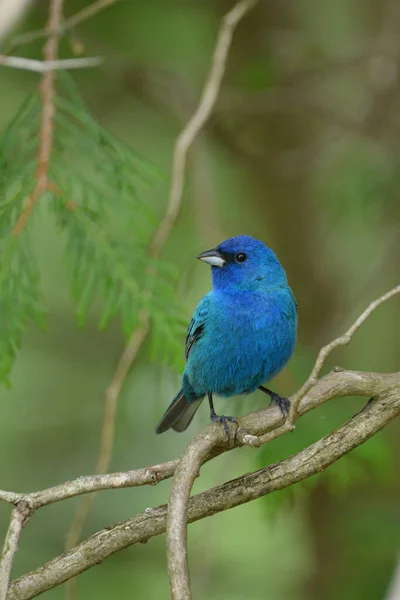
{"x": 20, "y": 300}
{"x": 95, "y": 200}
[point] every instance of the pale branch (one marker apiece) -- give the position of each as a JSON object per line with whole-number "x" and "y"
{"x": 385, "y": 406}
{"x": 10, "y": 12}
{"x": 181, "y": 148}
{"x": 67, "y": 24}
{"x": 342, "y": 340}
{"x": 196, "y": 452}
{"x": 331, "y": 386}
{"x": 43, "y": 66}
{"x": 111, "y": 397}
{"x": 10, "y": 497}
{"x": 393, "y": 593}
{"x": 202, "y": 113}
{"x": 19, "y": 517}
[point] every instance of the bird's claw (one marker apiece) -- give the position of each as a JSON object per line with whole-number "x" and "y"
{"x": 224, "y": 421}
{"x": 283, "y": 403}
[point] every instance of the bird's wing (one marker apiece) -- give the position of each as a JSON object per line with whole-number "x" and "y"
{"x": 197, "y": 324}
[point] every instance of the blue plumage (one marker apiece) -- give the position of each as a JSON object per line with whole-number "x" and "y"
{"x": 242, "y": 333}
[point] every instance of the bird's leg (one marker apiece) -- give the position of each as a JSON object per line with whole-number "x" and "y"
{"x": 283, "y": 403}
{"x": 220, "y": 419}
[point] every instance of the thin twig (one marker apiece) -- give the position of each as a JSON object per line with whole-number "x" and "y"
{"x": 181, "y": 148}
{"x": 139, "y": 529}
{"x": 50, "y": 52}
{"x": 197, "y": 451}
{"x": 79, "y": 17}
{"x": 107, "y": 434}
{"x": 19, "y": 516}
{"x": 44, "y": 66}
{"x": 343, "y": 340}
{"x": 202, "y": 113}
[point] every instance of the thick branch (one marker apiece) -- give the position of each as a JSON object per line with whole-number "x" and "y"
{"x": 333, "y": 385}
{"x": 19, "y": 516}
{"x": 376, "y": 414}
{"x": 197, "y": 451}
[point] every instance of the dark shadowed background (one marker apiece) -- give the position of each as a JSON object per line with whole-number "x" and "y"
{"x": 302, "y": 151}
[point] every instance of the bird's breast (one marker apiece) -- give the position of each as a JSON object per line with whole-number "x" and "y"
{"x": 245, "y": 342}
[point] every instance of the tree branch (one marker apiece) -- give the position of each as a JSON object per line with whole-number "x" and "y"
{"x": 197, "y": 451}
{"x": 343, "y": 340}
{"x": 44, "y": 66}
{"x": 385, "y": 388}
{"x": 181, "y": 148}
{"x": 76, "y": 19}
{"x": 19, "y": 517}
{"x": 10, "y": 12}
{"x": 204, "y": 109}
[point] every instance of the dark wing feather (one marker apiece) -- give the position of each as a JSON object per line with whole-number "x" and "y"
{"x": 197, "y": 325}
{"x": 194, "y": 333}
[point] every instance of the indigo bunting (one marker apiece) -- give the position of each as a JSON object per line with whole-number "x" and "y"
{"x": 242, "y": 333}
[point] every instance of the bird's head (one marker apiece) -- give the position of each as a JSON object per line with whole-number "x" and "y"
{"x": 244, "y": 263}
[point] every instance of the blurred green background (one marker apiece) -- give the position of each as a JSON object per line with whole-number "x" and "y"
{"x": 302, "y": 151}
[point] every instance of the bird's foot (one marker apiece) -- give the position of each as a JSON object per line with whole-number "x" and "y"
{"x": 224, "y": 421}
{"x": 283, "y": 403}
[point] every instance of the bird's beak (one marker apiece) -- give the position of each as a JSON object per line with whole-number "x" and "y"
{"x": 212, "y": 257}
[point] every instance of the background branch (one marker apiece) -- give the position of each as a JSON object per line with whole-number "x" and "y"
{"x": 10, "y": 12}
{"x": 181, "y": 148}
{"x": 40, "y": 66}
{"x": 76, "y": 19}
{"x": 385, "y": 389}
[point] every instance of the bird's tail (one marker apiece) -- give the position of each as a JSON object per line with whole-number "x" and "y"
{"x": 179, "y": 413}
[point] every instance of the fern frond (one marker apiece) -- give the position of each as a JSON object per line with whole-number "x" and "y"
{"x": 20, "y": 300}
{"x": 108, "y": 226}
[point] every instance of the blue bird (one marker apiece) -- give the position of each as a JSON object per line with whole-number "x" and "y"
{"x": 242, "y": 333}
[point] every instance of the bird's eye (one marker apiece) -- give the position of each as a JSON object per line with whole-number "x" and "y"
{"x": 241, "y": 257}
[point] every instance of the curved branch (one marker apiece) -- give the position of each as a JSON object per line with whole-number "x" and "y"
{"x": 343, "y": 340}
{"x": 197, "y": 451}
{"x": 19, "y": 517}
{"x": 385, "y": 388}
{"x": 182, "y": 145}
{"x": 333, "y": 385}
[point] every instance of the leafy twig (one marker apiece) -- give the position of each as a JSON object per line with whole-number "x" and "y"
{"x": 202, "y": 446}
{"x": 50, "y": 52}
{"x": 385, "y": 388}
